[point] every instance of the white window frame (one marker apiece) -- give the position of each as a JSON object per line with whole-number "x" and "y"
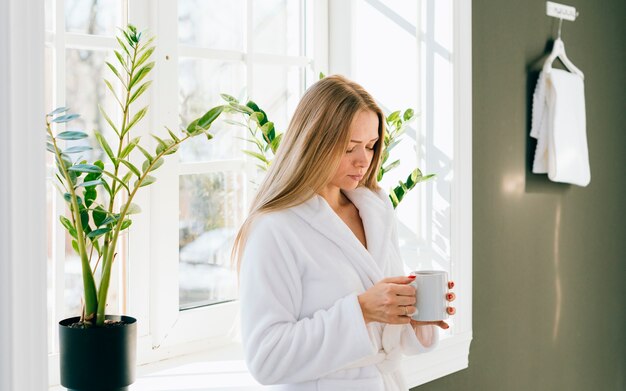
{"x": 452, "y": 354}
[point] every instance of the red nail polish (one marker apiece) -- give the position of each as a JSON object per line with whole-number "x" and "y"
{"x": 411, "y": 277}
{"x": 451, "y": 311}
{"x": 449, "y": 296}
{"x": 450, "y": 284}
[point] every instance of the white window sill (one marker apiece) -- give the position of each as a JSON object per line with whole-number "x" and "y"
{"x": 224, "y": 368}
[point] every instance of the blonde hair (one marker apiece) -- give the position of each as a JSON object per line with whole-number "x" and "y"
{"x": 311, "y": 149}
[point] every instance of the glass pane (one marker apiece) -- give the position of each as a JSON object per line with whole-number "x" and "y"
{"x": 201, "y": 82}
{"x": 277, "y": 90}
{"x": 100, "y": 17}
{"x": 443, "y": 23}
{"x": 211, "y": 209}
{"x": 214, "y": 24}
{"x": 380, "y": 34}
{"x": 85, "y": 89}
{"x": 49, "y": 15}
{"x": 278, "y": 27}
{"x": 402, "y": 9}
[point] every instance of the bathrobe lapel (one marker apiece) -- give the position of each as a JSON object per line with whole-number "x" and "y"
{"x": 376, "y": 223}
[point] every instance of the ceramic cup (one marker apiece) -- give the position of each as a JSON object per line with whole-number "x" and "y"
{"x": 431, "y": 288}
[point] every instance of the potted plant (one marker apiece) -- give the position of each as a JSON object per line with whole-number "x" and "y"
{"x": 97, "y": 351}
{"x": 268, "y": 141}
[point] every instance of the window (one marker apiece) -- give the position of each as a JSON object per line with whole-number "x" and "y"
{"x": 174, "y": 273}
{"x": 417, "y": 55}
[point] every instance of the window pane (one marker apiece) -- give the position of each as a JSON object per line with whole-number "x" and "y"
{"x": 100, "y": 17}
{"x": 214, "y": 24}
{"x": 85, "y": 89}
{"x": 277, "y": 90}
{"x": 201, "y": 82}
{"x": 278, "y": 27}
{"x": 49, "y": 16}
{"x": 211, "y": 209}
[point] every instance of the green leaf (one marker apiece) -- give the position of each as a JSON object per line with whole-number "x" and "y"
{"x": 90, "y": 195}
{"x": 229, "y": 98}
{"x": 133, "y": 209}
{"x": 129, "y": 147}
{"x": 77, "y": 149}
{"x": 114, "y": 70}
{"x": 65, "y": 118}
{"x": 116, "y": 179}
{"x": 392, "y": 166}
{"x": 131, "y": 167}
{"x": 126, "y": 177}
{"x": 98, "y": 232}
{"x": 141, "y": 73}
{"x": 50, "y": 147}
{"x": 110, "y": 87}
{"x": 105, "y": 145}
{"x": 72, "y": 135}
{"x": 120, "y": 59}
{"x": 240, "y": 108}
{"x": 106, "y": 117}
{"x": 125, "y": 224}
{"x": 321, "y": 76}
{"x": 123, "y": 46}
{"x": 144, "y": 56}
{"x": 85, "y": 168}
{"x": 164, "y": 145}
{"x": 173, "y": 135}
{"x": 193, "y": 127}
{"x": 256, "y": 155}
{"x": 136, "y": 118}
{"x": 408, "y": 114}
{"x": 58, "y": 110}
{"x": 99, "y": 215}
{"x": 142, "y": 88}
{"x": 207, "y": 119}
{"x": 91, "y": 183}
{"x": 276, "y": 143}
{"x": 145, "y": 153}
{"x": 84, "y": 219}
{"x": 148, "y": 180}
{"x": 393, "y": 116}
{"x": 66, "y": 222}
{"x": 156, "y": 165}
{"x": 75, "y": 246}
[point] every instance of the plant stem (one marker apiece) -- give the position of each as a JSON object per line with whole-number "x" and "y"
{"x": 108, "y": 261}
{"x": 89, "y": 284}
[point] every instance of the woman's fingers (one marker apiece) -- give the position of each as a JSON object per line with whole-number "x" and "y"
{"x": 450, "y": 296}
{"x": 450, "y": 284}
{"x": 451, "y": 310}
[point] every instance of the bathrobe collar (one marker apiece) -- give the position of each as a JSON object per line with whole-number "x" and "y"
{"x": 374, "y": 209}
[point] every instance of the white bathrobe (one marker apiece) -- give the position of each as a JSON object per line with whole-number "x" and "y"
{"x": 302, "y": 326}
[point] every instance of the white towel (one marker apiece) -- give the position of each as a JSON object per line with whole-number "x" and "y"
{"x": 559, "y": 125}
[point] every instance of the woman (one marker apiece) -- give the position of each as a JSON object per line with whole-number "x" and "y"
{"x": 324, "y": 303}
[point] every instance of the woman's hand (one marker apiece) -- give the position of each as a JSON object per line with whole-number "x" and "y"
{"x": 391, "y": 300}
{"x": 450, "y": 296}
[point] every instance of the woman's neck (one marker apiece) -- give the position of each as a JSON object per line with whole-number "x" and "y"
{"x": 335, "y": 198}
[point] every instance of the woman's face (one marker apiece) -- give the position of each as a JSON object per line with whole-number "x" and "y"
{"x": 358, "y": 157}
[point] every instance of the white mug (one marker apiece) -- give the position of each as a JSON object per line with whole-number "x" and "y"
{"x": 431, "y": 287}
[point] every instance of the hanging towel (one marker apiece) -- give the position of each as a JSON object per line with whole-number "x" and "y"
{"x": 559, "y": 125}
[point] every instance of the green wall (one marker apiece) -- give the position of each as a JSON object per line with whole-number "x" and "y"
{"x": 549, "y": 303}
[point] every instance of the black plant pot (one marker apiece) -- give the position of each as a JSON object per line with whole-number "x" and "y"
{"x": 98, "y": 358}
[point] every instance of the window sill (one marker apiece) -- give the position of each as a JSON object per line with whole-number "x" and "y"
{"x": 223, "y": 368}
